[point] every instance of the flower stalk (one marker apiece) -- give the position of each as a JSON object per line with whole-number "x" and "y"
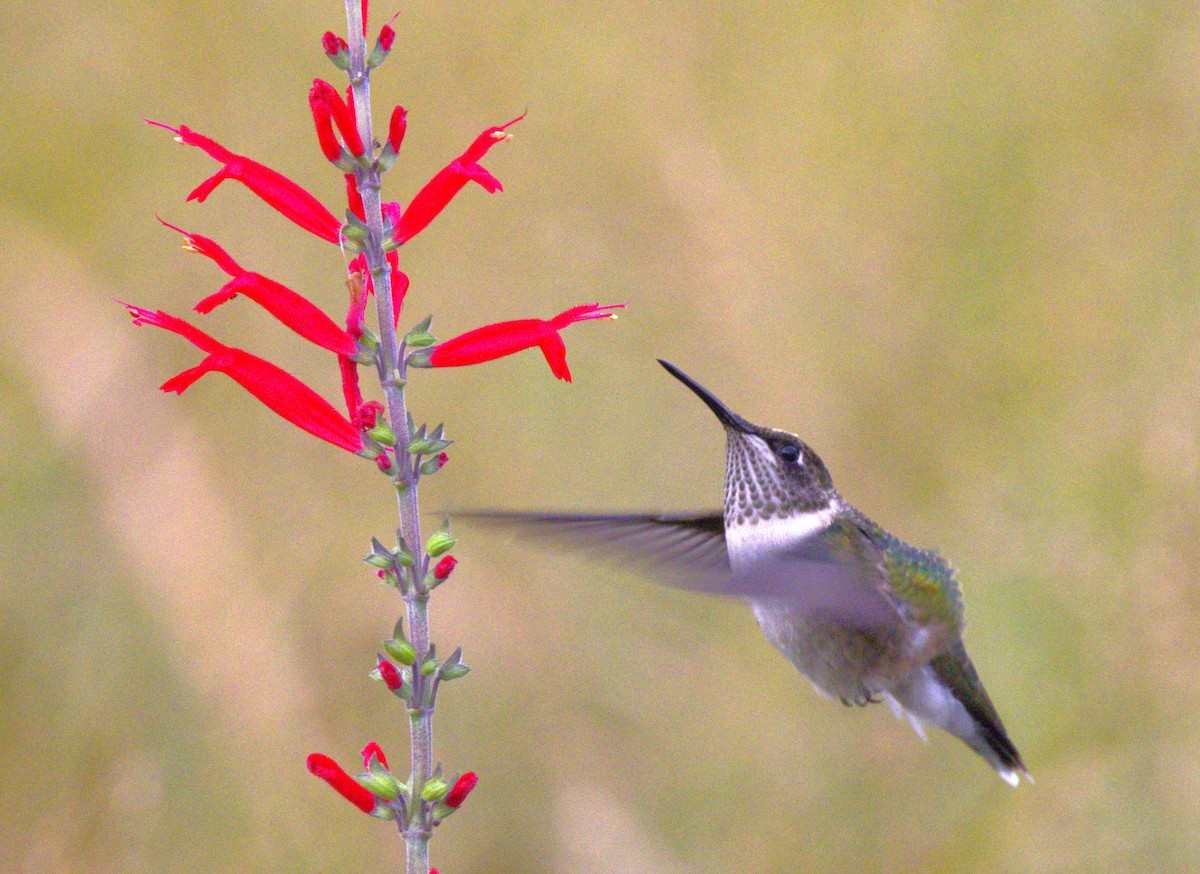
{"x": 391, "y": 368}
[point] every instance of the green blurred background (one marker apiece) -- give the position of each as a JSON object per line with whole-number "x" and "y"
{"x": 955, "y": 246}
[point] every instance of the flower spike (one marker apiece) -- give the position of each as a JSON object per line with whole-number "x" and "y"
{"x": 505, "y": 338}
{"x": 278, "y": 390}
{"x": 279, "y": 192}
{"x": 293, "y": 310}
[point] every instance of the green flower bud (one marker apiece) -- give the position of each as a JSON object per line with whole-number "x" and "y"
{"x": 435, "y": 789}
{"x": 401, "y": 650}
{"x": 383, "y": 562}
{"x": 382, "y": 434}
{"x": 381, "y": 784}
{"x": 439, "y": 543}
{"x": 428, "y": 666}
{"x": 420, "y": 340}
{"x": 453, "y": 672}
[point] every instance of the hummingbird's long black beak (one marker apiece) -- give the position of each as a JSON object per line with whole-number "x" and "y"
{"x": 727, "y": 417}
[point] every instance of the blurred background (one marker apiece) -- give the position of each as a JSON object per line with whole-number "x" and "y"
{"x": 955, "y": 246}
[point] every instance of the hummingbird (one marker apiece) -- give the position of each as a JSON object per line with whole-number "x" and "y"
{"x": 863, "y": 615}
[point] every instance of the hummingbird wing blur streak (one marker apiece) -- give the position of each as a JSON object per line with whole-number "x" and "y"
{"x": 689, "y": 552}
{"x": 864, "y": 615}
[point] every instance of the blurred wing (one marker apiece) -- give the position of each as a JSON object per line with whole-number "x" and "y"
{"x": 689, "y": 552}
{"x": 686, "y": 545}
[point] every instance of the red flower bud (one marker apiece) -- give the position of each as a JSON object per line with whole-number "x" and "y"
{"x": 396, "y": 127}
{"x": 461, "y": 789}
{"x": 368, "y": 415}
{"x": 445, "y": 567}
{"x": 328, "y": 770}
{"x": 333, "y": 44}
{"x": 391, "y": 676}
{"x": 386, "y": 37}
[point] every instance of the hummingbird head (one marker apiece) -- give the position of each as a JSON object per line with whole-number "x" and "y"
{"x": 770, "y": 475}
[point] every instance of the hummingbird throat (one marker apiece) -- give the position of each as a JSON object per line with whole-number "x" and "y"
{"x": 769, "y": 506}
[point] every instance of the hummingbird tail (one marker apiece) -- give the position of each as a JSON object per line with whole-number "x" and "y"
{"x": 949, "y": 694}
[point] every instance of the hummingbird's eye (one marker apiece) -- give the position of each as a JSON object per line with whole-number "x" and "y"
{"x": 789, "y": 452}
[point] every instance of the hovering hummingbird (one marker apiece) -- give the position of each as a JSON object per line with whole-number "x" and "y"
{"x": 865, "y": 616}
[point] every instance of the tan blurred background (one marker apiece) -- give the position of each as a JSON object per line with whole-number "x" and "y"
{"x": 955, "y": 246}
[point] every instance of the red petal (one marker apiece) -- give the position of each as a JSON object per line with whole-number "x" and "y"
{"x": 331, "y": 772}
{"x": 556, "y": 355}
{"x": 350, "y": 390}
{"x": 353, "y": 198}
{"x": 373, "y": 748}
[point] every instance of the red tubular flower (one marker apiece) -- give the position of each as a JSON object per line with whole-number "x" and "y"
{"x": 323, "y": 121}
{"x": 294, "y": 310}
{"x": 445, "y": 567}
{"x": 277, "y": 389}
{"x": 372, "y": 749}
{"x": 461, "y": 789}
{"x": 389, "y": 673}
{"x": 440, "y": 190}
{"x": 281, "y": 193}
{"x": 387, "y": 36}
{"x": 505, "y": 338}
{"x": 331, "y": 772}
{"x": 343, "y": 116}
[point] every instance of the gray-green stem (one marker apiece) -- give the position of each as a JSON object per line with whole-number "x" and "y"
{"x": 417, "y": 830}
